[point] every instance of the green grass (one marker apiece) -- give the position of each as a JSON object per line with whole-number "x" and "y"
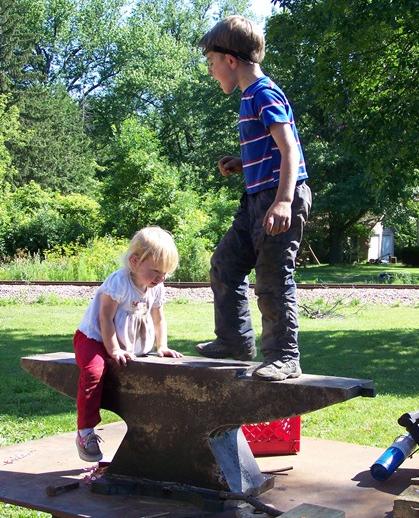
{"x": 378, "y": 342}
{"x": 357, "y": 274}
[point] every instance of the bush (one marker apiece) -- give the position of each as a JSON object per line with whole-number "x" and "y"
{"x": 410, "y": 255}
{"x": 73, "y": 262}
{"x": 34, "y": 220}
{"x": 194, "y": 248}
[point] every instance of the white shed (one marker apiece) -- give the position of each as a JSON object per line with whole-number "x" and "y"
{"x": 381, "y": 245}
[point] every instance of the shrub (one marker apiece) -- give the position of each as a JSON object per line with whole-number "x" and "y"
{"x": 35, "y": 220}
{"x": 73, "y": 262}
{"x": 194, "y": 248}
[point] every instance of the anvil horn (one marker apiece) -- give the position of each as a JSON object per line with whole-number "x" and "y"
{"x": 184, "y": 415}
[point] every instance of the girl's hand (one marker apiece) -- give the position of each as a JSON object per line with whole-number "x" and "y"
{"x": 122, "y": 357}
{"x": 166, "y": 352}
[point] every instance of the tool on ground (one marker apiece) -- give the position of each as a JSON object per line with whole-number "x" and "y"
{"x": 252, "y": 500}
{"x": 62, "y": 488}
{"x": 277, "y": 471}
{"x": 158, "y": 515}
{"x": 403, "y": 446}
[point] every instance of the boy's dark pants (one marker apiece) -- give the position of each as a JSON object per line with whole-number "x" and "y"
{"x": 246, "y": 246}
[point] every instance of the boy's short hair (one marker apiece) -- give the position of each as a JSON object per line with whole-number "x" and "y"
{"x": 237, "y": 36}
{"x": 155, "y": 243}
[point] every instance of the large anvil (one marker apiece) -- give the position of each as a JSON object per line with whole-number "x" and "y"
{"x": 184, "y": 415}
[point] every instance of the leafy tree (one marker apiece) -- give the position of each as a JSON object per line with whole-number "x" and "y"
{"x": 194, "y": 248}
{"x": 53, "y": 150}
{"x": 404, "y": 221}
{"x": 349, "y": 69}
{"x": 164, "y": 82}
{"x": 198, "y": 225}
{"x": 139, "y": 184}
{"x": 76, "y": 43}
{"x": 9, "y": 130}
{"x": 19, "y": 28}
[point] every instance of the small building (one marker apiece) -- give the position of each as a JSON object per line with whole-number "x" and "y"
{"x": 381, "y": 245}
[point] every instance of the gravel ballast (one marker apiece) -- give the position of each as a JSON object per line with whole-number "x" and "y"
{"x": 389, "y": 296}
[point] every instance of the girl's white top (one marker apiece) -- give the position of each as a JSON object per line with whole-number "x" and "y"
{"x": 133, "y": 322}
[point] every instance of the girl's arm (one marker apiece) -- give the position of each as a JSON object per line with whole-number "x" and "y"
{"x": 107, "y": 311}
{"x": 160, "y": 330}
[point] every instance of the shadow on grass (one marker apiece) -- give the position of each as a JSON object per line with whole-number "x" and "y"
{"x": 21, "y": 394}
{"x": 389, "y": 358}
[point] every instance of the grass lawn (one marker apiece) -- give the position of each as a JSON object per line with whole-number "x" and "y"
{"x": 379, "y": 342}
{"x": 357, "y": 274}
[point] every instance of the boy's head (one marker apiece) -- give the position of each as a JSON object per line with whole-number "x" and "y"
{"x": 238, "y": 37}
{"x": 234, "y": 47}
{"x": 155, "y": 244}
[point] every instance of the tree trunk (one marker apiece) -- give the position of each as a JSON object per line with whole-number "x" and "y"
{"x": 336, "y": 242}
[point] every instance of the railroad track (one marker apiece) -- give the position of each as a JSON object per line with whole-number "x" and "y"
{"x": 303, "y": 286}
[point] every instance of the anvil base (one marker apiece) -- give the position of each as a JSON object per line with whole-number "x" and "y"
{"x": 206, "y": 499}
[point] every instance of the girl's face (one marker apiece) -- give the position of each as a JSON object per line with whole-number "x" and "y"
{"x": 146, "y": 274}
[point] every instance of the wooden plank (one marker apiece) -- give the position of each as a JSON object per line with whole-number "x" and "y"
{"x": 407, "y": 504}
{"x": 313, "y": 511}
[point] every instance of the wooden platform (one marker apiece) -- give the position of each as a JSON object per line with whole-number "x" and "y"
{"x": 326, "y": 473}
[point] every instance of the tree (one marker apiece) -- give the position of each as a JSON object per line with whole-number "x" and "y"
{"x": 139, "y": 184}
{"x": 53, "y": 149}
{"x": 76, "y": 44}
{"x": 349, "y": 69}
{"x": 9, "y": 130}
{"x": 163, "y": 81}
{"x": 19, "y": 26}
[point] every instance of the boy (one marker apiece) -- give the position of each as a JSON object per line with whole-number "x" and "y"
{"x": 268, "y": 226}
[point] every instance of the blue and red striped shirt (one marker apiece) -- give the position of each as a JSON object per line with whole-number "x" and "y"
{"x": 263, "y": 103}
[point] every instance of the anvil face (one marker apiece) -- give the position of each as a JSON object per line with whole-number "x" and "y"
{"x": 184, "y": 415}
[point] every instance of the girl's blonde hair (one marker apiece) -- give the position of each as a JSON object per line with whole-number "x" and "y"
{"x": 238, "y": 36}
{"x": 156, "y": 243}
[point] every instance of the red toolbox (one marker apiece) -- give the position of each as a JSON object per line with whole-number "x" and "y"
{"x": 280, "y": 437}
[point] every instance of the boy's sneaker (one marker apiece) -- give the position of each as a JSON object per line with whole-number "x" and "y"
{"x": 88, "y": 447}
{"x": 277, "y": 370}
{"x": 216, "y": 350}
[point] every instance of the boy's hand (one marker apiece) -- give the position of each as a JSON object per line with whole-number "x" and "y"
{"x": 122, "y": 357}
{"x": 166, "y": 352}
{"x": 229, "y": 165}
{"x": 277, "y": 218}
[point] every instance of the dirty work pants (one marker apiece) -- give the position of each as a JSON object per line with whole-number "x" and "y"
{"x": 246, "y": 246}
{"x": 91, "y": 357}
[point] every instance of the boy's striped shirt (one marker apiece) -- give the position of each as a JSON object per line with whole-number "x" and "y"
{"x": 263, "y": 103}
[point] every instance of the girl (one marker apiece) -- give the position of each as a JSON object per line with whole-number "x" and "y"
{"x": 125, "y": 319}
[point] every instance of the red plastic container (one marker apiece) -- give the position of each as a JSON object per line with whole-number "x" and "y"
{"x": 280, "y": 437}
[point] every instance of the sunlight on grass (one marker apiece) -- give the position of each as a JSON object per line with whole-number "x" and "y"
{"x": 358, "y": 274}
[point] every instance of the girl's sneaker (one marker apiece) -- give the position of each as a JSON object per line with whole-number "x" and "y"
{"x": 88, "y": 447}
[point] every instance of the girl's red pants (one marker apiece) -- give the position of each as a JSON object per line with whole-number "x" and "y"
{"x": 91, "y": 357}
